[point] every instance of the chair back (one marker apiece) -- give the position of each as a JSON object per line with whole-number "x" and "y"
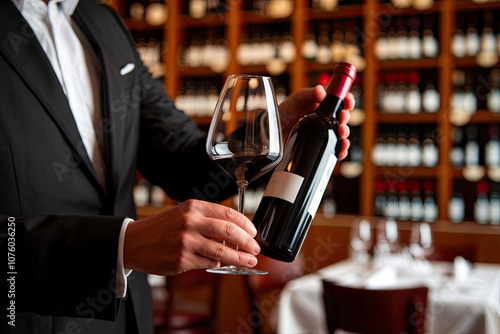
{"x": 367, "y": 311}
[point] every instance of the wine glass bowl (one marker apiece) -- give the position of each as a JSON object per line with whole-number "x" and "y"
{"x": 245, "y": 137}
{"x": 421, "y": 243}
{"x": 361, "y": 238}
{"x": 387, "y": 237}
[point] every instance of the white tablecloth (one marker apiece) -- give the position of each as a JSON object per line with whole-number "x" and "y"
{"x": 468, "y": 306}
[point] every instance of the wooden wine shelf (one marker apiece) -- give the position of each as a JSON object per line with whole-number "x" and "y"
{"x": 211, "y": 20}
{"x": 343, "y": 12}
{"x": 140, "y": 25}
{"x": 462, "y": 5}
{"x": 258, "y": 18}
{"x": 261, "y": 69}
{"x": 185, "y": 71}
{"x": 409, "y": 64}
{"x": 420, "y": 118}
{"x": 485, "y": 116}
{"x": 388, "y": 9}
{"x": 405, "y": 172}
{"x": 470, "y": 62}
{"x": 372, "y": 14}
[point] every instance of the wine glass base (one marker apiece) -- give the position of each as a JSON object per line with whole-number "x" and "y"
{"x": 234, "y": 270}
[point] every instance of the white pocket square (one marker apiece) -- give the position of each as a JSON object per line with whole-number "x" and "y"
{"x": 127, "y": 68}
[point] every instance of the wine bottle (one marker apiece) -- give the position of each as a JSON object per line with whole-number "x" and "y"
{"x": 296, "y": 187}
{"x": 494, "y": 211}
{"x": 457, "y": 153}
{"x": 492, "y": 149}
{"x": 430, "y": 207}
{"x": 380, "y": 198}
{"x": 481, "y": 206}
{"x": 456, "y": 206}
{"x": 417, "y": 205}
{"x": 392, "y": 208}
{"x": 493, "y": 96}
{"x": 471, "y": 147}
{"x": 404, "y": 201}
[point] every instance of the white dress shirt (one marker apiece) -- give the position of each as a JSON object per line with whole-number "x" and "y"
{"x": 78, "y": 69}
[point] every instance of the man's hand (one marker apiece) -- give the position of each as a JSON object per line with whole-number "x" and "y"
{"x": 307, "y": 100}
{"x": 188, "y": 237}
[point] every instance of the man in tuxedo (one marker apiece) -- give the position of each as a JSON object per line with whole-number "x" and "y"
{"x": 79, "y": 113}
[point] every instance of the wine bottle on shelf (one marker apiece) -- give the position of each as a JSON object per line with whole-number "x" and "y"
{"x": 494, "y": 208}
{"x": 458, "y": 43}
{"x": 471, "y": 148}
{"x": 431, "y": 98}
{"x": 392, "y": 44}
{"x": 413, "y": 103}
{"x": 309, "y": 48}
{"x": 457, "y": 152}
{"x": 414, "y": 149}
{"x": 391, "y": 148}
{"x": 472, "y": 41}
{"x": 456, "y": 206}
{"x": 493, "y": 96}
{"x": 481, "y": 206}
{"x": 379, "y": 153}
{"x": 488, "y": 50}
{"x": 392, "y": 208}
{"x": 469, "y": 98}
{"x": 381, "y": 45}
{"x": 402, "y": 147}
{"x": 404, "y": 201}
{"x": 403, "y": 42}
{"x": 297, "y": 184}
{"x": 338, "y": 43}
{"x": 430, "y": 207}
{"x": 414, "y": 44}
{"x": 287, "y": 50}
{"x": 430, "y": 153}
{"x": 416, "y": 202}
{"x": 324, "y": 54}
{"x": 388, "y": 103}
{"x": 430, "y": 45}
{"x": 401, "y": 93}
{"x": 492, "y": 148}
{"x": 380, "y": 198}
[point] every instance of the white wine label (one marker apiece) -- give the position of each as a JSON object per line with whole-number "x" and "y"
{"x": 322, "y": 185}
{"x": 284, "y": 185}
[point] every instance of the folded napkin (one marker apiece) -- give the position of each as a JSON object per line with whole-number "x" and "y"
{"x": 461, "y": 269}
{"x": 382, "y": 278}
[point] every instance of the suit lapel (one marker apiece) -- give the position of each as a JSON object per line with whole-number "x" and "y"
{"x": 110, "y": 52}
{"x": 20, "y": 47}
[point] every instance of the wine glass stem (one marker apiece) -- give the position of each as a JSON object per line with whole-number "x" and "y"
{"x": 242, "y": 186}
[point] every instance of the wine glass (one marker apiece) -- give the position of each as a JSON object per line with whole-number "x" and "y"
{"x": 421, "y": 245}
{"x": 387, "y": 237}
{"x": 245, "y": 137}
{"x": 361, "y": 238}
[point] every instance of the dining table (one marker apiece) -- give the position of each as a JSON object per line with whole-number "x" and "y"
{"x": 463, "y": 298}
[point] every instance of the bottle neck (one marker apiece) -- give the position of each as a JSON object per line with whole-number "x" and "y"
{"x": 330, "y": 107}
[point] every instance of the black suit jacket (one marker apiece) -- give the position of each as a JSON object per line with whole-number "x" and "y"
{"x": 66, "y": 224}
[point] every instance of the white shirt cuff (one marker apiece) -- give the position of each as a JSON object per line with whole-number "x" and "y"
{"x": 121, "y": 272}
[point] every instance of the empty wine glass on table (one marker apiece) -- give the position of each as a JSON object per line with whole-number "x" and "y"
{"x": 361, "y": 239}
{"x": 421, "y": 244}
{"x": 245, "y": 137}
{"x": 387, "y": 237}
